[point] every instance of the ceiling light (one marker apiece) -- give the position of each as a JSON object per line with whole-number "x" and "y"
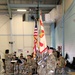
{"x": 21, "y": 10}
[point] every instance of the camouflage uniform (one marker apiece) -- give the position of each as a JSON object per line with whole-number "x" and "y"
{"x": 34, "y": 66}
{"x": 27, "y": 70}
{"x": 7, "y": 62}
{"x": 33, "y": 63}
{"x": 29, "y": 62}
{"x": 60, "y": 65}
{"x": 55, "y": 54}
{"x": 51, "y": 64}
{"x": 62, "y": 62}
{"x": 21, "y": 65}
{"x": 42, "y": 69}
{"x": 29, "y": 66}
{"x": 47, "y": 66}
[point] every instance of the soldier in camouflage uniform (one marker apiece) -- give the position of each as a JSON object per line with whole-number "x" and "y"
{"x": 34, "y": 65}
{"x": 51, "y": 65}
{"x": 48, "y": 65}
{"x": 27, "y": 70}
{"x": 60, "y": 65}
{"x": 29, "y": 64}
{"x": 42, "y": 69}
{"x": 7, "y": 61}
{"x": 29, "y": 60}
{"x": 55, "y": 54}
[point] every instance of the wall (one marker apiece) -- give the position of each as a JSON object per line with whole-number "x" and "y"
{"x": 67, "y": 4}
{"x": 69, "y": 37}
{"x": 58, "y": 35}
{"x": 59, "y": 8}
{"x": 4, "y": 30}
{"x": 22, "y": 34}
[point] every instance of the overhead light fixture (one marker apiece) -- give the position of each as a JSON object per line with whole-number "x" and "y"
{"x": 22, "y": 10}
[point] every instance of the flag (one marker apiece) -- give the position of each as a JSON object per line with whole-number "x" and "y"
{"x": 35, "y": 37}
{"x": 42, "y": 42}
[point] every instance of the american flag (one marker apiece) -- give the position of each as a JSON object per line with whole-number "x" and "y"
{"x": 35, "y": 36}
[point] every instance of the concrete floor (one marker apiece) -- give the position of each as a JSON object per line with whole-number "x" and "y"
{"x": 68, "y": 72}
{"x": 34, "y": 74}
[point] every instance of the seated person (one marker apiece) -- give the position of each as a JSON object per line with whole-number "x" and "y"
{"x": 21, "y": 65}
{"x": 60, "y": 64}
{"x": 27, "y": 70}
{"x": 21, "y": 54}
{"x": 29, "y": 60}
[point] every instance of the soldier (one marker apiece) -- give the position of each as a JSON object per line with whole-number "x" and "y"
{"x": 42, "y": 69}
{"x": 28, "y": 66}
{"x": 21, "y": 55}
{"x": 55, "y": 54}
{"x": 34, "y": 65}
{"x": 48, "y": 64}
{"x": 7, "y": 61}
{"x": 60, "y": 64}
{"x": 29, "y": 60}
{"x": 51, "y": 64}
{"x": 27, "y": 70}
{"x": 29, "y": 63}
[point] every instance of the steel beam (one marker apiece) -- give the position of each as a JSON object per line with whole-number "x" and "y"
{"x": 30, "y": 5}
{"x": 9, "y": 9}
{"x": 63, "y": 32}
{"x": 19, "y": 34}
{"x": 52, "y": 35}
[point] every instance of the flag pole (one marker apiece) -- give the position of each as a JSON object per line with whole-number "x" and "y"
{"x": 35, "y": 39}
{"x": 36, "y": 21}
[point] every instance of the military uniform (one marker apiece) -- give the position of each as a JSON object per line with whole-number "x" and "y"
{"x": 42, "y": 69}
{"x": 34, "y": 66}
{"x": 29, "y": 62}
{"x": 51, "y": 64}
{"x": 29, "y": 66}
{"x": 60, "y": 65}
{"x": 62, "y": 62}
{"x": 7, "y": 62}
{"x": 55, "y": 54}
{"x": 48, "y": 66}
{"x": 27, "y": 70}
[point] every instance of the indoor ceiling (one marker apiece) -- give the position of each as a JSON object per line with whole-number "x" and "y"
{"x": 10, "y": 6}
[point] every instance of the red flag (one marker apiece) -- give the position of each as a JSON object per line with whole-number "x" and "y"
{"x": 35, "y": 37}
{"x": 42, "y": 43}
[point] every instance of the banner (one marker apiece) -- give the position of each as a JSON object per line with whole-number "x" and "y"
{"x": 42, "y": 43}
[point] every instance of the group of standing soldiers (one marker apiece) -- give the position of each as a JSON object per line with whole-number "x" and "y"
{"x": 22, "y": 66}
{"x": 46, "y": 64}
{"x": 52, "y": 63}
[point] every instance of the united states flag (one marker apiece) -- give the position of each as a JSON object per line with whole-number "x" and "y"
{"x": 35, "y": 36}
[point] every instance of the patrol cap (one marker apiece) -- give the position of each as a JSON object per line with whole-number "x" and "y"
{"x": 52, "y": 48}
